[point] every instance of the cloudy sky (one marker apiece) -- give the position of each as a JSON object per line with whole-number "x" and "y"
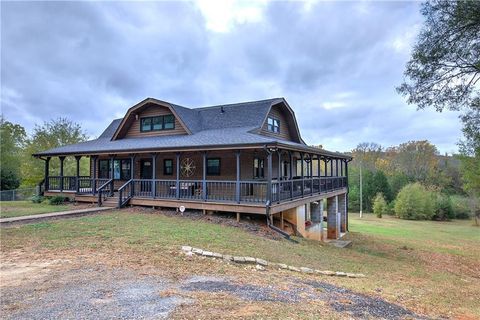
{"x": 336, "y": 63}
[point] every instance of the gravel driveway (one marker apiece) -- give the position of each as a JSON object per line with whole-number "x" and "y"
{"x": 100, "y": 293}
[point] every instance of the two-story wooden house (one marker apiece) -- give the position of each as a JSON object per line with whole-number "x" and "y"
{"x": 246, "y": 158}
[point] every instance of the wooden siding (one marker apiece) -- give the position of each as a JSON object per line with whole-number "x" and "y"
{"x": 228, "y": 165}
{"x": 150, "y": 111}
{"x": 285, "y": 127}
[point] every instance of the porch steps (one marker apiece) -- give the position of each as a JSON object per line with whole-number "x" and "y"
{"x": 111, "y": 202}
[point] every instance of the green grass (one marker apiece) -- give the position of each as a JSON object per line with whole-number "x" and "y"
{"x": 432, "y": 267}
{"x": 10, "y": 209}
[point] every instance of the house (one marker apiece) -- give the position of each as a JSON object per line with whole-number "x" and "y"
{"x": 244, "y": 158}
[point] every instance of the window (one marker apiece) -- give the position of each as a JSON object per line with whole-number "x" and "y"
{"x": 285, "y": 168}
{"x": 168, "y": 122}
{"x": 258, "y": 168}
{"x": 146, "y": 124}
{"x": 168, "y": 167}
{"x": 121, "y": 169}
{"x": 126, "y": 172}
{"x": 213, "y": 166}
{"x": 116, "y": 169}
{"x": 104, "y": 169}
{"x": 273, "y": 125}
{"x": 157, "y": 123}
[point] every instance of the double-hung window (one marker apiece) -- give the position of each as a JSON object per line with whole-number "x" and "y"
{"x": 168, "y": 167}
{"x": 213, "y": 166}
{"x": 273, "y": 125}
{"x": 258, "y": 168}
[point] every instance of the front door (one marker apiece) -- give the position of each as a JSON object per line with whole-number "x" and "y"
{"x": 146, "y": 173}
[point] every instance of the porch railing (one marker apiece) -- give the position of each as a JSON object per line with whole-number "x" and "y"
{"x": 254, "y": 191}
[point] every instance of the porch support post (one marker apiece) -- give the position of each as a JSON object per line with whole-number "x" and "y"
{"x": 336, "y": 167}
{"x": 112, "y": 169}
{"x": 132, "y": 166}
{"x": 346, "y": 196}
{"x": 279, "y": 171}
{"x": 269, "y": 176}
{"x": 318, "y": 173}
{"x": 94, "y": 181}
{"x": 112, "y": 172}
{"x": 47, "y": 169}
{"x": 132, "y": 174}
{"x": 154, "y": 175}
{"x": 311, "y": 174}
{"x": 291, "y": 174}
{"x": 325, "y": 161}
{"x": 303, "y": 177}
{"x": 62, "y": 158}
{"x": 237, "y": 184}
{"x": 204, "y": 175}
{"x": 77, "y": 180}
{"x": 331, "y": 167}
{"x": 177, "y": 182}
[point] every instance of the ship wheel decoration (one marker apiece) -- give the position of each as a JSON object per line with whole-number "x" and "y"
{"x": 187, "y": 167}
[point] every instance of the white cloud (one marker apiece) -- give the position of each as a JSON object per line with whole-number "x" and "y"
{"x": 221, "y": 16}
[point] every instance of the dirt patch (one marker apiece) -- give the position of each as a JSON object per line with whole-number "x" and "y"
{"x": 91, "y": 293}
{"x": 245, "y": 291}
{"x": 360, "y": 306}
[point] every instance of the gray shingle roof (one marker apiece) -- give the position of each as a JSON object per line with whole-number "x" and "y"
{"x": 209, "y": 126}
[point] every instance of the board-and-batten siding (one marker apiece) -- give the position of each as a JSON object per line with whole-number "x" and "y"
{"x": 277, "y": 113}
{"x": 134, "y": 130}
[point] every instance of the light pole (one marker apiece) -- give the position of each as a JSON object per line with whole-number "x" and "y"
{"x": 361, "y": 191}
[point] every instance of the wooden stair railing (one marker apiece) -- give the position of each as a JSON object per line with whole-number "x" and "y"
{"x": 103, "y": 190}
{"x": 125, "y": 193}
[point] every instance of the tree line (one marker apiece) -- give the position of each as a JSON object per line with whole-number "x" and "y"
{"x": 413, "y": 181}
{"x": 18, "y": 169}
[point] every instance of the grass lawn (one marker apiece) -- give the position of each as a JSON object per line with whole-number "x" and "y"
{"x": 24, "y": 208}
{"x": 430, "y": 267}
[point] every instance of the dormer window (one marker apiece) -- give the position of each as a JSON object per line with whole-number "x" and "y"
{"x": 273, "y": 125}
{"x": 158, "y": 123}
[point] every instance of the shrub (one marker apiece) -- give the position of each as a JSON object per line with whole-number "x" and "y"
{"x": 379, "y": 205}
{"x": 414, "y": 202}
{"x": 37, "y": 199}
{"x": 460, "y": 207}
{"x": 391, "y": 208}
{"x": 56, "y": 200}
{"x": 442, "y": 207}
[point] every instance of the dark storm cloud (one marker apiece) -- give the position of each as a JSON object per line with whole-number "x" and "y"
{"x": 336, "y": 63}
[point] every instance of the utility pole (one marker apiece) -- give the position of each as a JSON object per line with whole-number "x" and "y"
{"x": 361, "y": 191}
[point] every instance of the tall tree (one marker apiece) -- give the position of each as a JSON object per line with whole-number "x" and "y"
{"x": 444, "y": 70}
{"x": 12, "y": 142}
{"x": 52, "y": 134}
{"x": 416, "y": 159}
{"x": 445, "y": 64}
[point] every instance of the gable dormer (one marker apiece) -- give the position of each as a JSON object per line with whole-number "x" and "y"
{"x": 151, "y": 117}
{"x": 281, "y": 123}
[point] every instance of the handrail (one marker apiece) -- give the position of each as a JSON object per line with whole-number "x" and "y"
{"x": 121, "y": 201}
{"x": 101, "y": 190}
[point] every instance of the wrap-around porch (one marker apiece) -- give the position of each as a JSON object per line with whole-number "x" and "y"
{"x": 261, "y": 177}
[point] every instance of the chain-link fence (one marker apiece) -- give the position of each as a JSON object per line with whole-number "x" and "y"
{"x": 18, "y": 194}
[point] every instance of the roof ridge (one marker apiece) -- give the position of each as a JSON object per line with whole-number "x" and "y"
{"x": 234, "y": 104}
